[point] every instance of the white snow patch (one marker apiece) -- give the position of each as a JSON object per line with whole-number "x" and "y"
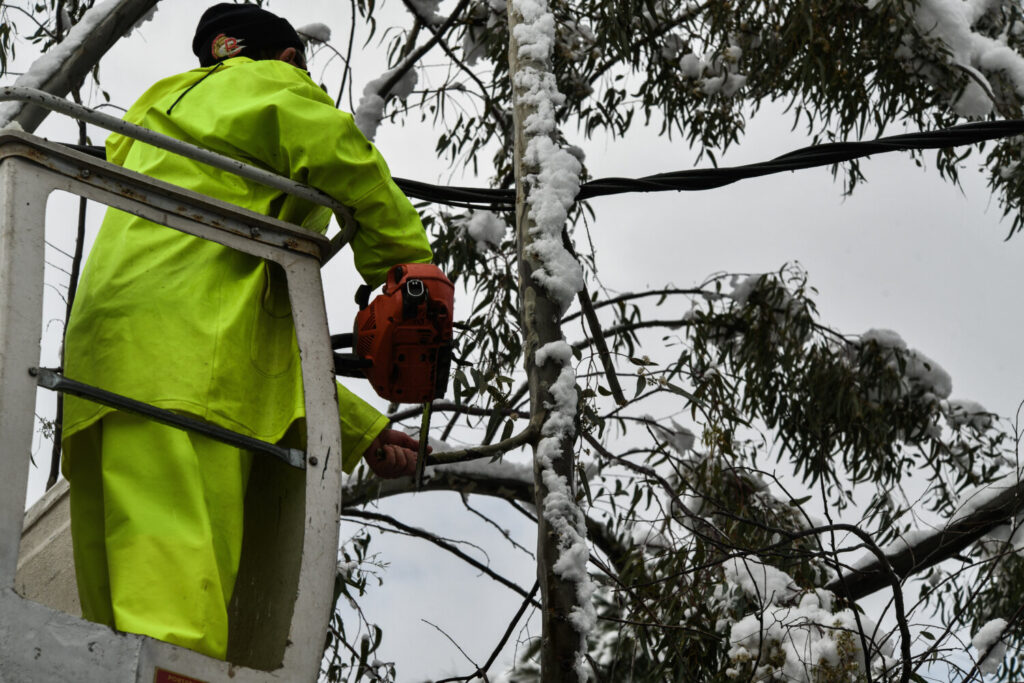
{"x": 48, "y": 64}
{"x": 920, "y": 371}
{"x": 486, "y": 468}
{"x": 763, "y": 582}
{"x": 951, "y": 22}
{"x": 965, "y": 413}
{"x": 370, "y": 110}
{"x": 552, "y": 191}
{"x": 486, "y": 228}
{"x": 427, "y": 9}
{"x": 316, "y": 32}
{"x": 809, "y": 636}
{"x": 989, "y": 636}
{"x": 691, "y": 65}
{"x": 741, "y": 289}
{"x": 553, "y": 188}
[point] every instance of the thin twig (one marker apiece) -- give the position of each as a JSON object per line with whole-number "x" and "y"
{"x": 427, "y": 536}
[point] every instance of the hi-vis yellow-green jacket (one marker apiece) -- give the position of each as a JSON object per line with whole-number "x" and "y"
{"x": 192, "y": 326}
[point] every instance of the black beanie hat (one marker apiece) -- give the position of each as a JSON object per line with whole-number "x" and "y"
{"x": 229, "y": 30}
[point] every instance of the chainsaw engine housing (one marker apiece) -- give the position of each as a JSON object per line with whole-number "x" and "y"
{"x": 405, "y": 334}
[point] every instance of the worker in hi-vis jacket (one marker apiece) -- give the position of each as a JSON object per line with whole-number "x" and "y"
{"x": 195, "y": 327}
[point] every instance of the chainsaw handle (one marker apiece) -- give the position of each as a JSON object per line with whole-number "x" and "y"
{"x": 347, "y": 364}
{"x": 345, "y": 340}
{"x": 350, "y": 365}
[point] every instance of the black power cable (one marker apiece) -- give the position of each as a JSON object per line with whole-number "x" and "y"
{"x": 825, "y": 154}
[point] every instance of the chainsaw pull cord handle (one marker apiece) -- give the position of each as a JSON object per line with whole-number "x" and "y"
{"x": 414, "y": 294}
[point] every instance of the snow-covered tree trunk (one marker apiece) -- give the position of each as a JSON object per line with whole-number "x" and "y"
{"x": 547, "y": 180}
{"x": 65, "y": 66}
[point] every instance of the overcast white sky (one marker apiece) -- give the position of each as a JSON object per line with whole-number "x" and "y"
{"x": 908, "y": 252}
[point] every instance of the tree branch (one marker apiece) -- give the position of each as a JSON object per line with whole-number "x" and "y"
{"x": 440, "y": 543}
{"x": 410, "y": 60}
{"x": 935, "y": 547}
{"x": 84, "y": 51}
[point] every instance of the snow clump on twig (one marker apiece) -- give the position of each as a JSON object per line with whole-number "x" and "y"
{"x": 793, "y": 635}
{"x": 316, "y": 32}
{"x": 370, "y": 110}
{"x": 427, "y": 10}
{"x": 51, "y": 62}
{"x": 950, "y": 23}
{"x": 919, "y": 371}
{"x": 989, "y": 639}
{"x": 486, "y": 229}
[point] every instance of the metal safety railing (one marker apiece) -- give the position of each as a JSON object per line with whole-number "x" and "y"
{"x": 53, "y": 380}
{"x": 185, "y": 149}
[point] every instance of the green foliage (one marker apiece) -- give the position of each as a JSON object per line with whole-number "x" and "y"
{"x": 349, "y": 652}
{"x": 842, "y": 411}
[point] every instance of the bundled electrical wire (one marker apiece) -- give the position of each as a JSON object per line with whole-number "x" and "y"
{"x": 705, "y": 179}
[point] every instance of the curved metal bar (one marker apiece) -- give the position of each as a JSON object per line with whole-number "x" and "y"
{"x": 185, "y": 149}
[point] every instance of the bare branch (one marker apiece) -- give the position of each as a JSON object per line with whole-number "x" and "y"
{"x": 440, "y": 543}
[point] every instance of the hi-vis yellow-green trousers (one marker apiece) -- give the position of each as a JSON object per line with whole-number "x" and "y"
{"x": 156, "y": 521}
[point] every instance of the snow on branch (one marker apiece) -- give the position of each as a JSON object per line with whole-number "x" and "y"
{"x": 986, "y": 510}
{"x": 64, "y": 65}
{"x": 557, "y": 181}
{"x": 988, "y": 642}
{"x": 399, "y": 81}
{"x": 549, "y": 178}
{"x": 952, "y": 23}
{"x": 316, "y": 32}
{"x": 560, "y": 507}
{"x": 370, "y": 109}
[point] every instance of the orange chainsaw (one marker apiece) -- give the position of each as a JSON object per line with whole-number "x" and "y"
{"x": 403, "y": 340}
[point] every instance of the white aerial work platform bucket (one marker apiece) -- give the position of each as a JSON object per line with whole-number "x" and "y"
{"x": 283, "y": 597}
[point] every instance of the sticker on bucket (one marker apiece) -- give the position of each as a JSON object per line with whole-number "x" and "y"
{"x": 163, "y": 676}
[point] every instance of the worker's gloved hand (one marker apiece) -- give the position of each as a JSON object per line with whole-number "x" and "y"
{"x": 392, "y": 454}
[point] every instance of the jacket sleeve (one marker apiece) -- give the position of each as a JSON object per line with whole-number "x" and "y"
{"x": 282, "y": 120}
{"x": 360, "y": 425}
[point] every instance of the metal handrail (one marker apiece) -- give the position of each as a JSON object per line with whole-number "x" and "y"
{"x": 185, "y": 149}
{"x": 53, "y": 380}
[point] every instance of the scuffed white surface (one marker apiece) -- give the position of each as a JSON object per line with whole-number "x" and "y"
{"x": 50, "y": 62}
{"x": 989, "y": 637}
{"x": 370, "y": 109}
{"x": 316, "y": 31}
